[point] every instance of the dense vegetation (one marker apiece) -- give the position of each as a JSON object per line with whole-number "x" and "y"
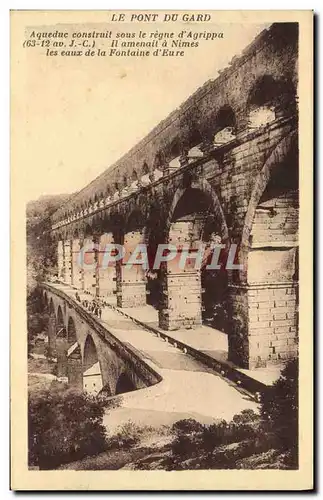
{"x": 268, "y": 440}
{"x": 63, "y": 425}
{"x": 40, "y": 247}
{"x": 37, "y": 316}
{"x": 66, "y": 426}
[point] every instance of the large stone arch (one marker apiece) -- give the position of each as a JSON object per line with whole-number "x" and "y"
{"x": 103, "y": 366}
{"x": 85, "y": 345}
{"x": 96, "y": 369}
{"x": 267, "y": 283}
{"x": 194, "y": 210}
{"x": 283, "y": 149}
{"x": 131, "y": 286}
{"x": 154, "y": 235}
{"x": 125, "y": 383}
{"x": 215, "y": 206}
{"x": 92, "y": 371}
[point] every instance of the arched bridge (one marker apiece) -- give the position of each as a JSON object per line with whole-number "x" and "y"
{"x": 111, "y": 354}
{"x": 222, "y": 167}
{"x": 88, "y": 355}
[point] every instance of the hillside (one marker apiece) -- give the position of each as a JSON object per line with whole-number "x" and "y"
{"x": 41, "y": 250}
{"x": 46, "y": 205}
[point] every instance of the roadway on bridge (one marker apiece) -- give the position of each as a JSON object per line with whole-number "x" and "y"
{"x": 185, "y": 379}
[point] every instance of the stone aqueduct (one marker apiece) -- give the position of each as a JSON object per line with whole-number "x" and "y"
{"x": 87, "y": 355}
{"x": 223, "y": 166}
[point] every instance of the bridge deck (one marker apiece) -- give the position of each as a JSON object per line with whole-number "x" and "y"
{"x": 184, "y": 378}
{"x": 207, "y": 340}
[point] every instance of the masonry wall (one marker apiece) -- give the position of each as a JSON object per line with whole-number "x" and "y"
{"x": 272, "y": 326}
{"x": 274, "y": 53}
{"x": 111, "y": 366}
{"x": 272, "y": 269}
{"x": 227, "y": 175}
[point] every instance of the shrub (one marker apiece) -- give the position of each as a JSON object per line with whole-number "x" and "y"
{"x": 187, "y": 426}
{"x": 201, "y": 443}
{"x": 37, "y": 317}
{"x": 249, "y": 440}
{"x": 246, "y": 441}
{"x": 279, "y": 410}
{"x": 63, "y": 425}
{"x": 128, "y": 435}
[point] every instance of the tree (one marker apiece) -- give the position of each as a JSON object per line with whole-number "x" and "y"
{"x": 279, "y": 411}
{"x": 41, "y": 248}
{"x": 37, "y": 316}
{"x": 63, "y": 425}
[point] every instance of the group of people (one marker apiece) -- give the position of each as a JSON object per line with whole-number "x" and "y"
{"x": 94, "y": 306}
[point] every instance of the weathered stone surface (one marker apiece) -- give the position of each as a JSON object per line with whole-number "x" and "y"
{"x": 223, "y": 165}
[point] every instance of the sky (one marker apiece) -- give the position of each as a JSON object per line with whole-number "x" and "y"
{"x": 79, "y": 115}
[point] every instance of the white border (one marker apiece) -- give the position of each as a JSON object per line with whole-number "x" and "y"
{"x": 4, "y": 185}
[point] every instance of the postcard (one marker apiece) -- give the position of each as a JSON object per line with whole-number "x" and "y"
{"x": 161, "y": 250}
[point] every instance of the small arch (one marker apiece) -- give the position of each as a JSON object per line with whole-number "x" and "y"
{"x": 88, "y": 231}
{"x": 214, "y": 205}
{"x": 175, "y": 148}
{"x": 270, "y": 98}
{"x": 134, "y": 175}
{"x": 60, "y": 318}
{"x": 287, "y": 146}
{"x": 51, "y": 330}
{"x": 45, "y": 299}
{"x": 275, "y": 158}
{"x": 194, "y": 138}
{"x": 175, "y": 152}
{"x": 145, "y": 178}
{"x": 74, "y": 367}
{"x": 90, "y": 355}
{"x": 135, "y": 221}
{"x": 145, "y": 169}
{"x": 61, "y": 344}
{"x": 225, "y": 118}
{"x": 92, "y": 377}
{"x": 266, "y": 90}
{"x": 116, "y": 227}
{"x": 124, "y": 384}
{"x": 52, "y": 308}
{"x": 159, "y": 160}
{"x": 225, "y": 126}
{"x": 71, "y": 331}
